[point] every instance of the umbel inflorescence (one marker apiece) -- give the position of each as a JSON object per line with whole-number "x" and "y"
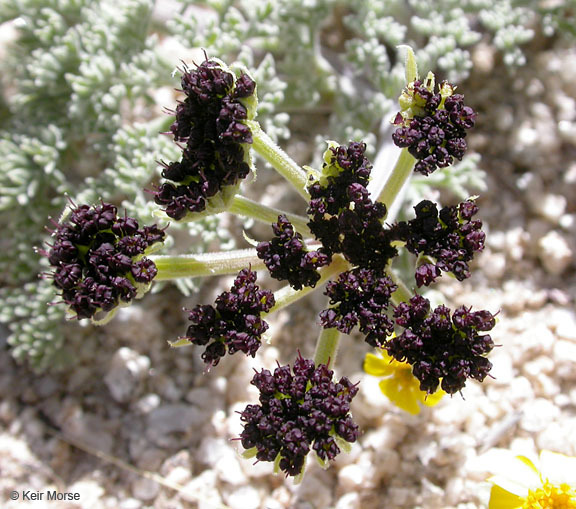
{"x": 98, "y": 259}
{"x": 300, "y": 409}
{"x": 342, "y": 239}
{"x": 211, "y": 125}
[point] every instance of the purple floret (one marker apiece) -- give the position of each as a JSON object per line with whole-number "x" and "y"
{"x": 442, "y": 349}
{"x": 211, "y": 124}
{"x": 360, "y": 297}
{"x": 451, "y": 237}
{"x": 300, "y": 409}
{"x": 97, "y": 258}
{"x": 436, "y": 136}
{"x": 343, "y": 216}
{"x": 287, "y": 257}
{"x": 234, "y": 323}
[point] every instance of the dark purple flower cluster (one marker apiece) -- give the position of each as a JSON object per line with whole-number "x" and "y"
{"x": 234, "y": 323}
{"x": 98, "y": 258}
{"x": 442, "y": 347}
{"x": 437, "y": 136}
{"x": 298, "y": 411}
{"x": 360, "y": 296}
{"x": 342, "y": 215}
{"x": 451, "y": 237}
{"x": 211, "y": 121}
{"x": 287, "y": 257}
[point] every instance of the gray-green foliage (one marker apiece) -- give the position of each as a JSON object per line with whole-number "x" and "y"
{"x": 71, "y": 82}
{"x": 339, "y": 57}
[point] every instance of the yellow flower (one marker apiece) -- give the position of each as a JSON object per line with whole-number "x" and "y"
{"x": 519, "y": 484}
{"x": 400, "y": 386}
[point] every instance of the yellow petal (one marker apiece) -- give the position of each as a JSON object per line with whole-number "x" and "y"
{"x": 502, "y": 499}
{"x": 558, "y": 468}
{"x": 400, "y": 395}
{"x": 376, "y": 366}
{"x": 431, "y": 399}
{"x": 512, "y": 486}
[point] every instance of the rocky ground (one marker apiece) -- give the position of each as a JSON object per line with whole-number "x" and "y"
{"x": 135, "y": 424}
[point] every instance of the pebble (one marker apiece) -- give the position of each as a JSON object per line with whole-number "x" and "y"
{"x": 91, "y": 491}
{"x": 316, "y": 487}
{"x": 279, "y": 498}
{"x": 369, "y": 404}
{"x": 551, "y": 207}
{"x": 520, "y": 390}
{"x": 350, "y": 477}
{"x": 205, "y": 398}
{"x": 165, "y": 386}
{"x": 151, "y": 459}
{"x": 178, "y": 468}
{"x": 493, "y": 264}
{"x": 502, "y": 368}
{"x": 229, "y": 470}
{"x": 349, "y": 501}
{"x": 245, "y": 497}
{"x": 538, "y": 414}
{"x": 127, "y": 325}
{"x": 559, "y": 436}
{"x": 516, "y": 240}
{"x": 388, "y": 436}
{"x": 554, "y": 253}
{"x": 434, "y": 495}
{"x": 203, "y": 491}
{"x": 127, "y": 369}
{"x": 130, "y": 503}
{"x": 8, "y": 410}
{"x": 145, "y": 489}
{"x": 216, "y": 453}
{"x": 88, "y": 429}
{"x": 147, "y": 403}
{"x": 172, "y": 418}
{"x": 565, "y": 352}
{"x": 179, "y": 476}
{"x": 563, "y": 322}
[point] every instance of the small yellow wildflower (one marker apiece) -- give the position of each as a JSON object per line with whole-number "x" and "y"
{"x": 519, "y": 484}
{"x": 400, "y": 386}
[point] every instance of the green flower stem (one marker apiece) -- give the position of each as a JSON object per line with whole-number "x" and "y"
{"x": 287, "y": 295}
{"x": 327, "y": 347}
{"x": 402, "y": 293}
{"x": 398, "y": 178}
{"x": 163, "y": 123}
{"x": 205, "y": 264}
{"x": 245, "y": 207}
{"x": 281, "y": 161}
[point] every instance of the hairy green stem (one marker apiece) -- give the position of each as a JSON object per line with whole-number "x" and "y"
{"x": 245, "y": 207}
{"x": 205, "y": 264}
{"x": 279, "y": 160}
{"x": 327, "y": 347}
{"x": 397, "y": 179}
{"x": 402, "y": 293}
